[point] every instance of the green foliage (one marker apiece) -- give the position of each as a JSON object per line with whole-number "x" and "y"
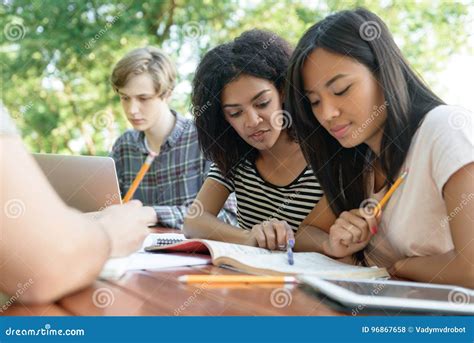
{"x": 56, "y": 56}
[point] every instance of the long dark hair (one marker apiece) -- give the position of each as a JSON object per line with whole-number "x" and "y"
{"x": 363, "y": 36}
{"x": 258, "y": 53}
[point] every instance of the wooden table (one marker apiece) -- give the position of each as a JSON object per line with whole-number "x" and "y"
{"x": 158, "y": 293}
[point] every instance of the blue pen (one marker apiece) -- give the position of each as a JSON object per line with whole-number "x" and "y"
{"x": 289, "y": 251}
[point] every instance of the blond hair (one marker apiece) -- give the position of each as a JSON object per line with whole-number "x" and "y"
{"x": 149, "y": 60}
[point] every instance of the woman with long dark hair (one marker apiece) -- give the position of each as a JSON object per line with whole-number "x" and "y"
{"x": 243, "y": 128}
{"x": 363, "y": 117}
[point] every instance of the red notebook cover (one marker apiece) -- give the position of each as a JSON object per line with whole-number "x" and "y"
{"x": 189, "y": 247}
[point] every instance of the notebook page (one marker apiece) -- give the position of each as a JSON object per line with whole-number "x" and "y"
{"x": 220, "y": 249}
{"x": 305, "y": 263}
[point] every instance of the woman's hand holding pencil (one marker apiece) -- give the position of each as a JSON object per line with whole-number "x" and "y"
{"x": 352, "y": 231}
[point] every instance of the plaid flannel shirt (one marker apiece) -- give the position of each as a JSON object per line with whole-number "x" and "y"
{"x": 174, "y": 178}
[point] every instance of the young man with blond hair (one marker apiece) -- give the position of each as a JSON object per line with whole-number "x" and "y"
{"x": 144, "y": 79}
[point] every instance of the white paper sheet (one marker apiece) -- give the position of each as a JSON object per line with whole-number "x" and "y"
{"x": 116, "y": 267}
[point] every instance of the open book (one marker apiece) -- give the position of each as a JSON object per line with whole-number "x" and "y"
{"x": 262, "y": 261}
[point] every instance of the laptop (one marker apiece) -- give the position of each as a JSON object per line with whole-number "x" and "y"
{"x": 87, "y": 183}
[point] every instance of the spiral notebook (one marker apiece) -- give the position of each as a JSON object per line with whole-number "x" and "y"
{"x": 163, "y": 239}
{"x": 141, "y": 260}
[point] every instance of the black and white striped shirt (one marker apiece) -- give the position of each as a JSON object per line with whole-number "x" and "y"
{"x": 259, "y": 200}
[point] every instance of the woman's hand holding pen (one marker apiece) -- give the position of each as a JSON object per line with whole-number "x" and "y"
{"x": 351, "y": 232}
{"x": 272, "y": 234}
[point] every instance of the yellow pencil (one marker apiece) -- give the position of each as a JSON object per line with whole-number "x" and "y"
{"x": 139, "y": 177}
{"x": 387, "y": 196}
{"x": 236, "y": 279}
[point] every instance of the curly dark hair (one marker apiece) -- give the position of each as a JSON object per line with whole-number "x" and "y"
{"x": 257, "y": 53}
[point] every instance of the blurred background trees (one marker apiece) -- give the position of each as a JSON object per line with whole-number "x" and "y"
{"x": 56, "y": 56}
